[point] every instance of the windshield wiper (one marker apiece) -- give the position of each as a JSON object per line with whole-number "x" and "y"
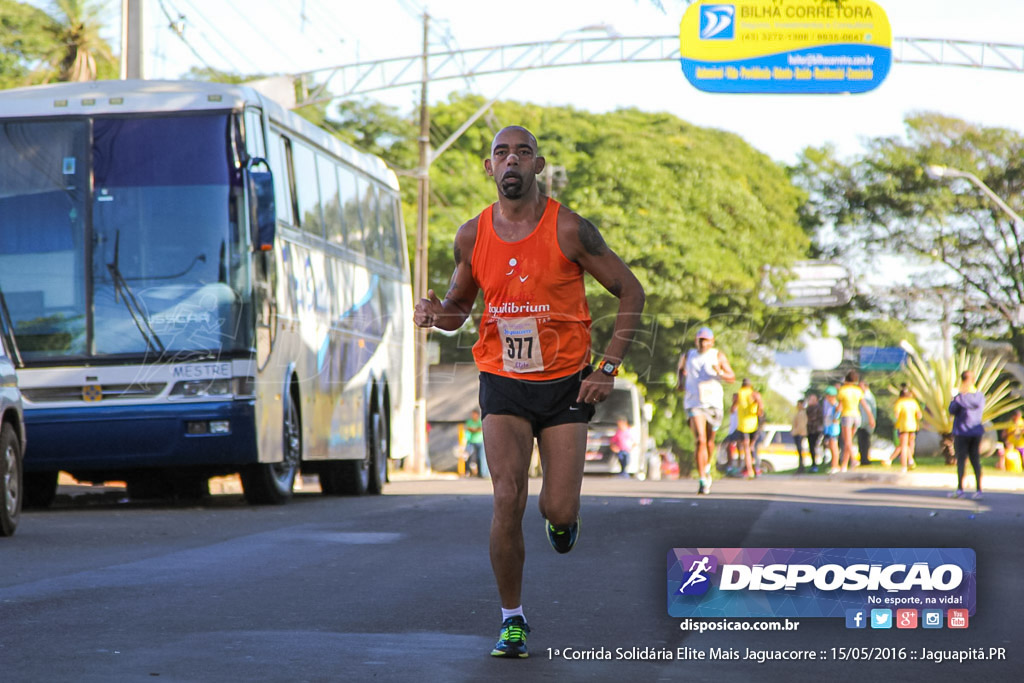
{"x": 122, "y": 287}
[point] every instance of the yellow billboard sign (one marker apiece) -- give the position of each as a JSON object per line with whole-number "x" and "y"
{"x": 785, "y": 46}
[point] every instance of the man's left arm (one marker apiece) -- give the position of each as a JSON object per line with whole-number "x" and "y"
{"x": 725, "y": 371}
{"x": 582, "y": 242}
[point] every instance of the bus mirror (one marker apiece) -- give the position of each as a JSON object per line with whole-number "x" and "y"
{"x": 263, "y": 213}
{"x": 648, "y": 411}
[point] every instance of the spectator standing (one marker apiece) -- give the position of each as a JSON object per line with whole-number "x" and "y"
{"x": 830, "y": 428}
{"x": 868, "y": 419}
{"x": 1015, "y": 438}
{"x": 622, "y": 443}
{"x": 749, "y": 407}
{"x": 800, "y": 434}
{"x": 815, "y": 427}
{"x": 967, "y": 409}
{"x": 851, "y": 401}
{"x": 476, "y": 458}
{"x": 907, "y": 417}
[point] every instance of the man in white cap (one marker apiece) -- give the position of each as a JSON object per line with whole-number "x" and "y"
{"x": 701, "y": 372}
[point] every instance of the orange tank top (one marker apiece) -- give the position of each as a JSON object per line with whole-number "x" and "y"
{"x": 535, "y": 323}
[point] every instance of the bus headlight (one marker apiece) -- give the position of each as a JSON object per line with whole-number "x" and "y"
{"x": 202, "y": 387}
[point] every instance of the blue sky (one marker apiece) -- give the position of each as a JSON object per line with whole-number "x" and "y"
{"x": 297, "y": 35}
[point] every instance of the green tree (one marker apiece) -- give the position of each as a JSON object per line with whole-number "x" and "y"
{"x": 63, "y": 44}
{"x": 79, "y": 52}
{"x": 883, "y": 203}
{"x": 23, "y": 41}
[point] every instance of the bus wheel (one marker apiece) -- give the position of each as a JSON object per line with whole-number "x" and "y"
{"x": 40, "y": 489}
{"x": 10, "y": 481}
{"x": 381, "y": 447}
{"x": 359, "y": 477}
{"x": 272, "y": 483}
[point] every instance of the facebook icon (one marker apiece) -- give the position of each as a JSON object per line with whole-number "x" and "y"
{"x": 856, "y": 618}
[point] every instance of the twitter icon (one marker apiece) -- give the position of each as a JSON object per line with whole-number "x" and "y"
{"x": 881, "y": 618}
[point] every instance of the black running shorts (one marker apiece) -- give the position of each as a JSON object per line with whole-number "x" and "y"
{"x": 544, "y": 403}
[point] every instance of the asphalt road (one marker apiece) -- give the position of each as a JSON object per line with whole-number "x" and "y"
{"x": 399, "y": 588}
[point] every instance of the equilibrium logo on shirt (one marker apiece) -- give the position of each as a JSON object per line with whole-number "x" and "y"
{"x": 818, "y": 582}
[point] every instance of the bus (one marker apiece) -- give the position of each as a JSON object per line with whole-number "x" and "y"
{"x": 201, "y": 283}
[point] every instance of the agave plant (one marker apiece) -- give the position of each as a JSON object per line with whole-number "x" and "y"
{"x": 936, "y": 381}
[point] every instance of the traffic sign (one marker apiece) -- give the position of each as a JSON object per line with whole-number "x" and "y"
{"x": 885, "y": 358}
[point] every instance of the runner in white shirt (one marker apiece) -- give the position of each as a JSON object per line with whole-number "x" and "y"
{"x": 701, "y": 372}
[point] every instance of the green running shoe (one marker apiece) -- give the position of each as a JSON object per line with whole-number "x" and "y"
{"x": 563, "y": 539}
{"x": 512, "y": 642}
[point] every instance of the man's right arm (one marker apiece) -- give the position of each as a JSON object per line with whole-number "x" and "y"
{"x": 451, "y": 312}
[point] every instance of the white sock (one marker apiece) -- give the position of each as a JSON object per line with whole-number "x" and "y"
{"x": 515, "y": 612}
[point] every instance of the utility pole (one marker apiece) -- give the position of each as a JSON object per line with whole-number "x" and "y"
{"x": 419, "y": 459}
{"x": 131, "y": 39}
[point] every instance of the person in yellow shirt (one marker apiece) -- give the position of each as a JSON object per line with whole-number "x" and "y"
{"x": 907, "y": 416}
{"x": 1014, "y": 439}
{"x": 749, "y": 407}
{"x": 851, "y": 399}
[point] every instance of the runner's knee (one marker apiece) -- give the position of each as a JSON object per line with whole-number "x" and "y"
{"x": 560, "y": 512}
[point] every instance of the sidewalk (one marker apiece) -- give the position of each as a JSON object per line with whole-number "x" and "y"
{"x": 933, "y": 480}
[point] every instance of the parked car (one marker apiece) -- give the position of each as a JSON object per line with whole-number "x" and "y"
{"x": 12, "y": 430}
{"x": 778, "y": 451}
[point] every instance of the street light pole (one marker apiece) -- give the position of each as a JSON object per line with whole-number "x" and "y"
{"x": 420, "y": 459}
{"x": 938, "y": 172}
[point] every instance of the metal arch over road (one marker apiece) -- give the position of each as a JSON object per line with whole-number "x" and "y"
{"x": 396, "y": 72}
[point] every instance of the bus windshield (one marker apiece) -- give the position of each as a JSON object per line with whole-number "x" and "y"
{"x": 122, "y": 236}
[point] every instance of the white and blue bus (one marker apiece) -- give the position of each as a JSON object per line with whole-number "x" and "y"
{"x": 201, "y": 283}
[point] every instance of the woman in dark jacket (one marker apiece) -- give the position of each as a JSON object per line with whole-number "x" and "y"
{"x": 967, "y": 408}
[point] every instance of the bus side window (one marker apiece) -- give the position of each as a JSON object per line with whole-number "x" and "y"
{"x": 389, "y": 221}
{"x": 287, "y": 207}
{"x": 308, "y": 189}
{"x": 329, "y": 200}
{"x": 354, "y": 227}
{"x": 254, "y": 142}
{"x": 371, "y": 221}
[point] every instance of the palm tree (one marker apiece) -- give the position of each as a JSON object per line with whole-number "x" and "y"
{"x": 935, "y": 383}
{"x": 79, "y": 53}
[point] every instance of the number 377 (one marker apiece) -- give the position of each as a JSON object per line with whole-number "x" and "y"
{"x": 516, "y": 347}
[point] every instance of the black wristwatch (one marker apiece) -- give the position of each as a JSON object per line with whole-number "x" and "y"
{"x": 609, "y": 368}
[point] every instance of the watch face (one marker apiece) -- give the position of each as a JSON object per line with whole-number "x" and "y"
{"x": 607, "y": 368}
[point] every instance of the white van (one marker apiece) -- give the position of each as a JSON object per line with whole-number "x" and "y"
{"x": 625, "y": 402}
